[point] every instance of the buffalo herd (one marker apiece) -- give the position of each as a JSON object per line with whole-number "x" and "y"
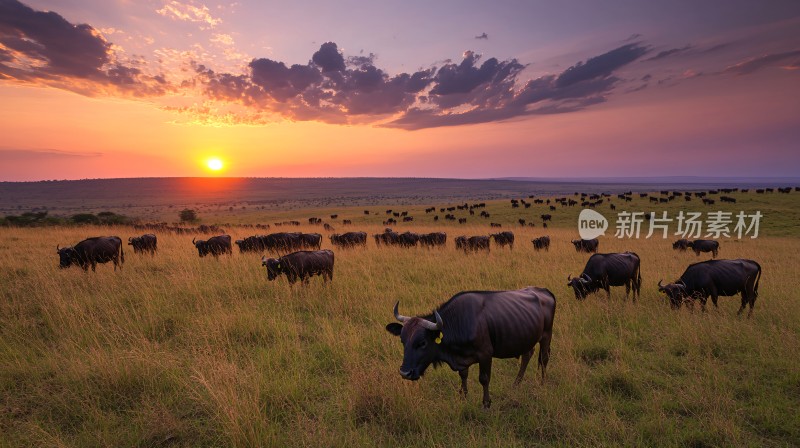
{"x": 472, "y": 327}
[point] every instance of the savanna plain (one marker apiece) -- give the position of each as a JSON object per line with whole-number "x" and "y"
{"x": 175, "y": 350}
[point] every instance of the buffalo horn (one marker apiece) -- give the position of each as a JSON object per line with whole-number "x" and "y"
{"x": 428, "y": 325}
{"x": 397, "y": 315}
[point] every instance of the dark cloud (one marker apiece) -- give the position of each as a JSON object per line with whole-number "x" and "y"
{"x": 789, "y": 59}
{"x": 43, "y": 47}
{"x": 328, "y": 58}
{"x": 603, "y": 65}
{"x": 482, "y": 36}
{"x": 670, "y": 52}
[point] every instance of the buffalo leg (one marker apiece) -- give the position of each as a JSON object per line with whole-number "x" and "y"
{"x": 544, "y": 353}
{"x": 464, "y": 374}
{"x": 484, "y": 376}
{"x": 628, "y": 290}
{"x": 523, "y": 365}
{"x": 744, "y": 303}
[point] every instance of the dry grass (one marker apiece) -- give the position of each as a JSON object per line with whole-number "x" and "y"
{"x": 181, "y": 351}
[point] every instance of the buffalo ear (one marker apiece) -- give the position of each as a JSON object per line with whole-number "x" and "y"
{"x": 394, "y": 328}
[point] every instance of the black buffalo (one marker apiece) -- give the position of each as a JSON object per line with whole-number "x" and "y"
{"x": 715, "y": 278}
{"x": 605, "y": 270}
{"x": 145, "y": 243}
{"x": 475, "y": 326}
{"x": 300, "y": 265}
{"x": 388, "y": 238}
{"x": 473, "y": 243}
{"x": 705, "y": 246}
{"x": 255, "y": 243}
{"x": 89, "y": 252}
{"x": 214, "y": 246}
{"x": 349, "y": 239}
{"x": 543, "y": 242}
{"x": 586, "y": 245}
{"x": 681, "y": 245}
{"x": 433, "y": 239}
{"x": 408, "y": 239}
{"x": 504, "y": 239}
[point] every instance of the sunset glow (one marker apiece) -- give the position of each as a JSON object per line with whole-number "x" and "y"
{"x": 132, "y": 89}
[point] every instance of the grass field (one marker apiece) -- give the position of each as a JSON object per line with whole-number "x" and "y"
{"x": 181, "y": 351}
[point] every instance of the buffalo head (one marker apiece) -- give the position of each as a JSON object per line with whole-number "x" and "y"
{"x": 273, "y": 266}
{"x": 582, "y": 285}
{"x": 66, "y": 256}
{"x": 676, "y": 293}
{"x": 202, "y": 247}
{"x": 421, "y": 339}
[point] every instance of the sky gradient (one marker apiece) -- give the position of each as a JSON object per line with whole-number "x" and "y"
{"x": 120, "y": 88}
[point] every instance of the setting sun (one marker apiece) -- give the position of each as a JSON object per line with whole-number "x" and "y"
{"x": 214, "y": 164}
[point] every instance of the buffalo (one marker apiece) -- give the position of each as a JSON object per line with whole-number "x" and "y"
{"x": 543, "y": 242}
{"x": 145, "y": 243}
{"x": 473, "y": 243}
{"x": 300, "y": 265}
{"x": 89, "y": 252}
{"x": 475, "y": 326}
{"x": 215, "y": 246}
{"x": 681, "y": 245}
{"x": 605, "y": 270}
{"x": 349, "y": 239}
{"x": 504, "y": 239}
{"x": 255, "y": 243}
{"x": 715, "y": 278}
{"x": 705, "y": 246}
{"x": 587, "y": 246}
{"x": 433, "y": 239}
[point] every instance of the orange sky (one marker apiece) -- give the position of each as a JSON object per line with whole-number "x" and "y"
{"x": 737, "y": 111}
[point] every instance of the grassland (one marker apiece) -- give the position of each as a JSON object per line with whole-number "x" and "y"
{"x": 180, "y": 351}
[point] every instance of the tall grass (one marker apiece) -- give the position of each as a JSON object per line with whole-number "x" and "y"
{"x": 175, "y": 350}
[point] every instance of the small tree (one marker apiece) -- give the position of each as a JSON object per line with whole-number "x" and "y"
{"x": 188, "y": 215}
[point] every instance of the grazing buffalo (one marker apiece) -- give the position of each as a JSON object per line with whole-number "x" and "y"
{"x": 715, "y": 278}
{"x": 255, "y": 243}
{"x": 408, "y": 239}
{"x": 473, "y": 243}
{"x": 310, "y": 240}
{"x": 605, "y": 270}
{"x": 681, "y": 245}
{"x": 543, "y": 242}
{"x": 388, "y": 238}
{"x": 433, "y": 239}
{"x": 475, "y": 326}
{"x": 547, "y": 217}
{"x": 349, "y": 239}
{"x": 89, "y": 252}
{"x": 145, "y": 243}
{"x": 301, "y": 265}
{"x": 705, "y": 246}
{"x": 503, "y": 239}
{"x": 215, "y": 246}
{"x": 587, "y": 246}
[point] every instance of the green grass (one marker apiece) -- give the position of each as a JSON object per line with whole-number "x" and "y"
{"x": 181, "y": 351}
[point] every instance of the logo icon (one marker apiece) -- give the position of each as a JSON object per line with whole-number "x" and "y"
{"x": 591, "y": 224}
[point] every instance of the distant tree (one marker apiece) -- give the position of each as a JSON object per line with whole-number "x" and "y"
{"x": 188, "y": 215}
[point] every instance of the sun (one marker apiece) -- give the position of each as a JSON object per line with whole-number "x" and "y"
{"x": 214, "y": 164}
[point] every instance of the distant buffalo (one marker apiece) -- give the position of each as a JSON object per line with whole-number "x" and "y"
{"x": 681, "y": 245}
{"x": 301, "y": 265}
{"x": 145, "y": 243}
{"x": 716, "y": 278}
{"x": 214, "y": 246}
{"x": 91, "y": 251}
{"x": 475, "y": 326}
{"x": 543, "y": 242}
{"x": 504, "y": 239}
{"x": 587, "y": 246}
{"x": 605, "y": 270}
{"x": 433, "y": 239}
{"x": 473, "y": 243}
{"x": 349, "y": 239}
{"x": 705, "y": 246}
{"x": 255, "y": 243}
